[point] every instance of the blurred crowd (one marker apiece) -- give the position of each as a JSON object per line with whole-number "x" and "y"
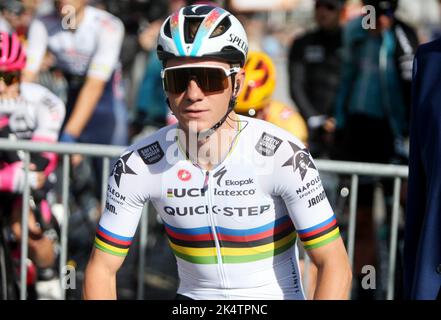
{"x": 344, "y": 72}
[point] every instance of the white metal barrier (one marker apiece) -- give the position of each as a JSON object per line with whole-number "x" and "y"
{"x": 107, "y": 152}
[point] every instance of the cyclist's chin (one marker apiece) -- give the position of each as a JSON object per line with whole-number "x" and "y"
{"x": 198, "y": 124}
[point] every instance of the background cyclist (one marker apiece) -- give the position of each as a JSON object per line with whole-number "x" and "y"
{"x": 30, "y": 112}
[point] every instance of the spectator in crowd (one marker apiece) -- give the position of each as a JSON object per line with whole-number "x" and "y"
{"x": 11, "y": 15}
{"x": 151, "y": 107}
{"x": 422, "y": 245}
{"x": 372, "y": 106}
{"x": 314, "y": 72}
{"x": 86, "y": 42}
{"x": 255, "y": 99}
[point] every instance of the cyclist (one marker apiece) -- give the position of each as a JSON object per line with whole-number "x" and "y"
{"x": 31, "y": 112}
{"x": 314, "y": 73}
{"x": 231, "y": 190}
{"x": 255, "y": 98}
{"x": 86, "y": 43}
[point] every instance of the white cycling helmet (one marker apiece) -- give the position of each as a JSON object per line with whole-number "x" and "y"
{"x": 203, "y": 31}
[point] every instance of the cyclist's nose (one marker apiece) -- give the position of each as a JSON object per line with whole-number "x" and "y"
{"x": 194, "y": 92}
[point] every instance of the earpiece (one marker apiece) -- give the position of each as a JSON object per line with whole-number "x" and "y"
{"x": 236, "y": 91}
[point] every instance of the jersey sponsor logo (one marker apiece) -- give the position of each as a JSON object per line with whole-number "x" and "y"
{"x": 268, "y": 145}
{"x": 53, "y": 108}
{"x": 239, "y": 183}
{"x": 219, "y": 175}
{"x": 120, "y": 168}
{"x": 238, "y": 42}
{"x": 226, "y": 211}
{"x": 196, "y": 192}
{"x": 308, "y": 188}
{"x": 182, "y": 193}
{"x": 184, "y": 175}
{"x": 315, "y": 200}
{"x": 234, "y": 193}
{"x": 152, "y": 153}
{"x": 111, "y": 208}
{"x": 294, "y": 274}
{"x": 301, "y": 160}
{"x": 114, "y": 195}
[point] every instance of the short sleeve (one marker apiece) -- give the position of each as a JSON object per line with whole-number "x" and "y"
{"x": 109, "y": 44}
{"x": 299, "y": 184}
{"x": 125, "y": 199}
{"x": 37, "y": 46}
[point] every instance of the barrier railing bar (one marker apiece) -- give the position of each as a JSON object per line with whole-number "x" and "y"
{"x": 98, "y": 150}
{"x": 393, "y": 239}
{"x": 24, "y": 228}
{"x": 92, "y": 150}
{"x": 352, "y": 218}
{"x": 3, "y": 272}
{"x": 142, "y": 250}
{"x": 65, "y": 223}
{"x": 361, "y": 168}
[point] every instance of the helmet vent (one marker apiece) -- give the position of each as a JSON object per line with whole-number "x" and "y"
{"x": 222, "y": 27}
{"x": 167, "y": 30}
{"x": 191, "y": 27}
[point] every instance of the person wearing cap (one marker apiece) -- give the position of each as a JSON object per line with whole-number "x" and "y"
{"x": 232, "y": 191}
{"x": 28, "y": 112}
{"x": 256, "y": 97}
{"x": 372, "y": 111}
{"x": 314, "y": 72}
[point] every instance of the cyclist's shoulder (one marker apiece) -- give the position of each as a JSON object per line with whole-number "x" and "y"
{"x": 269, "y": 138}
{"x": 152, "y": 149}
{"x": 277, "y": 108}
{"x": 308, "y": 37}
{"x": 106, "y": 21}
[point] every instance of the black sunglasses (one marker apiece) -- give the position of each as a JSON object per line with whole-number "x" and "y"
{"x": 208, "y": 77}
{"x": 9, "y": 78}
{"x": 327, "y": 5}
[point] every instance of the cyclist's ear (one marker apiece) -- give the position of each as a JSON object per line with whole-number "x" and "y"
{"x": 239, "y": 80}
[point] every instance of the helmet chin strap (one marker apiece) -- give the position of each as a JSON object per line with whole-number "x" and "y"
{"x": 203, "y": 135}
{"x": 207, "y": 133}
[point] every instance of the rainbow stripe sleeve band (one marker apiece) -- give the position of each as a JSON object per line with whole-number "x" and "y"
{"x": 319, "y": 235}
{"x": 112, "y": 243}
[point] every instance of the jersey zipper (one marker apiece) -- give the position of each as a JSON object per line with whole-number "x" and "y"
{"x": 213, "y": 230}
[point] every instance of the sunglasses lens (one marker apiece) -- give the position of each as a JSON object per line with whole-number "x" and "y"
{"x": 208, "y": 79}
{"x": 9, "y": 77}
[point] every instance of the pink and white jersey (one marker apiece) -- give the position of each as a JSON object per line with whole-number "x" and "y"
{"x": 37, "y": 114}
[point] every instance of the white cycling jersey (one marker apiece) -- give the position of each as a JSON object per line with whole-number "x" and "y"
{"x": 90, "y": 50}
{"x": 232, "y": 229}
{"x": 36, "y": 114}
